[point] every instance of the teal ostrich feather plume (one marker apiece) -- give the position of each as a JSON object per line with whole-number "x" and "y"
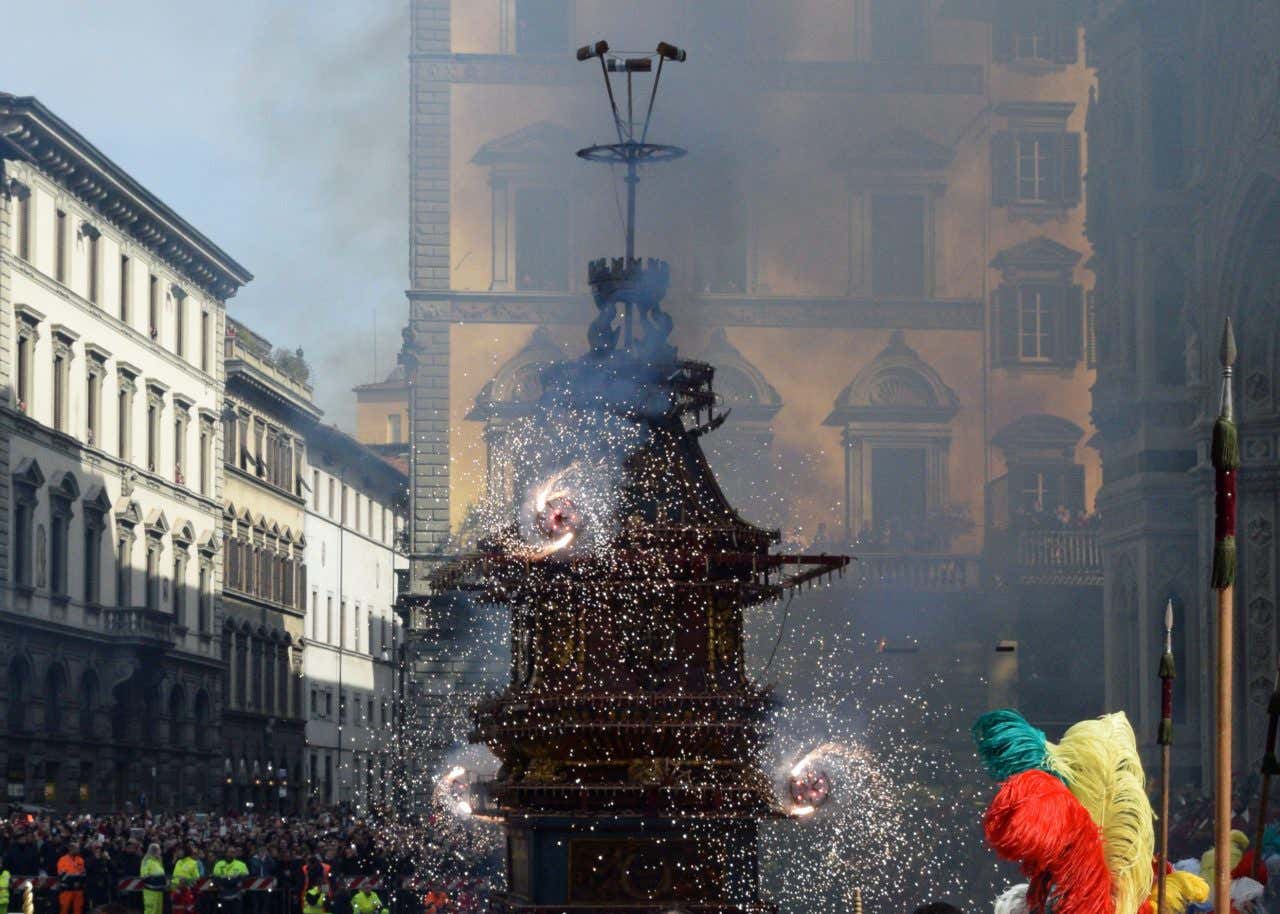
{"x": 1271, "y": 839}
{"x": 1008, "y": 745}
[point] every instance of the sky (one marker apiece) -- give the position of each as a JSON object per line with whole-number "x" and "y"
{"x": 279, "y": 129}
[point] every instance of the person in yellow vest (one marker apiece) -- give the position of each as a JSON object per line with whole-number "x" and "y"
{"x": 4, "y": 888}
{"x": 315, "y": 900}
{"x": 186, "y": 873}
{"x": 153, "y": 881}
{"x": 228, "y": 873}
{"x": 366, "y": 901}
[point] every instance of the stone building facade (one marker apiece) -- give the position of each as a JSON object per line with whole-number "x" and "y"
{"x": 878, "y": 238}
{"x": 1184, "y": 217}
{"x": 111, "y": 312}
{"x": 266, "y": 414}
{"x": 354, "y": 661}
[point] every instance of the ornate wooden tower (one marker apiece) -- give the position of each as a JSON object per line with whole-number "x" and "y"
{"x": 629, "y": 734}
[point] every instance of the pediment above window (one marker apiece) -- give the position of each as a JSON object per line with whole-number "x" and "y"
{"x": 740, "y": 385}
{"x": 157, "y": 523}
{"x": 66, "y": 487}
{"x": 29, "y": 473}
{"x": 1038, "y": 437}
{"x": 539, "y": 144}
{"x": 128, "y": 512}
{"x": 1036, "y": 256}
{"x": 517, "y": 385}
{"x": 898, "y": 152}
{"x": 898, "y": 386}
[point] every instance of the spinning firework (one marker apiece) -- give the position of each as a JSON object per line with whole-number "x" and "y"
{"x": 809, "y": 789}
{"x": 555, "y": 516}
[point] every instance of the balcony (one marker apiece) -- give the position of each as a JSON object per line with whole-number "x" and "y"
{"x": 1071, "y": 557}
{"x": 145, "y": 627}
{"x": 932, "y": 572}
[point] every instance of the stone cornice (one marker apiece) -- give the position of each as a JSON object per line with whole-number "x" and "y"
{"x": 31, "y": 132}
{"x": 836, "y": 76}
{"x": 717, "y": 310}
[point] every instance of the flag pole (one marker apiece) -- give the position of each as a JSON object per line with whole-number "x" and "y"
{"x": 1270, "y": 766}
{"x": 1167, "y": 673}
{"x": 1226, "y": 460}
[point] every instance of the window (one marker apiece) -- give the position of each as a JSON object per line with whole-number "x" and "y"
{"x": 124, "y": 415}
{"x": 60, "y": 243}
{"x": 155, "y": 409}
{"x": 205, "y": 337}
{"x": 1044, "y": 488}
{"x": 94, "y": 525}
{"x": 59, "y": 534}
{"x": 542, "y": 239}
{"x": 333, "y": 500}
{"x": 393, "y": 429}
{"x": 181, "y": 415}
{"x": 898, "y": 492}
{"x": 899, "y": 30}
{"x": 62, "y": 355}
{"x": 95, "y": 371}
{"x": 153, "y": 307}
{"x": 1020, "y": 38}
{"x": 315, "y": 490}
{"x": 179, "y": 589}
{"x": 206, "y": 456}
{"x": 1040, "y": 323}
{"x": 898, "y": 246}
{"x": 27, "y": 482}
{"x": 126, "y": 311}
{"x": 179, "y": 322}
{"x": 1035, "y": 168}
{"x": 1036, "y": 334}
{"x": 541, "y": 26}
{"x": 22, "y": 219}
{"x": 342, "y": 505}
{"x": 329, "y": 627}
{"x": 28, "y": 334}
{"x": 205, "y": 595}
{"x": 124, "y": 568}
{"x": 93, "y": 238}
{"x": 155, "y": 549}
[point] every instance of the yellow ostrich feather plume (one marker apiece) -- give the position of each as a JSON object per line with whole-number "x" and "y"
{"x": 1181, "y": 890}
{"x": 1099, "y": 759}
{"x": 1239, "y": 843}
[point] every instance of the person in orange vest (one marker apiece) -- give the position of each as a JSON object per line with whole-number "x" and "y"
{"x": 435, "y": 902}
{"x": 71, "y": 881}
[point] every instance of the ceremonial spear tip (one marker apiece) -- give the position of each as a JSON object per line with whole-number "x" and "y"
{"x": 1228, "y": 352}
{"x": 1168, "y": 614}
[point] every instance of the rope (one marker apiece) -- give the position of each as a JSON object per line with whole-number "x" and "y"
{"x": 782, "y": 628}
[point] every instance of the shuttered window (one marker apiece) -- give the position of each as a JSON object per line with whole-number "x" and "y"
{"x": 1039, "y": 324}
{"x": 1035, "y": 168}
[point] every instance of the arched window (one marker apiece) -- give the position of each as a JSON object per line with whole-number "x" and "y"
{"x": 177, "y": 713}
{"x": 54, "y": 696}
{"x": 88, "y": 703}
{"x": 202, "y": 720}
{"x": 18, "y": 694}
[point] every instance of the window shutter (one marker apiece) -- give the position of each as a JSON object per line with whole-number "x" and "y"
{"x": 1002, "y": 42}
{"x": 1052, "y": 297}
{"x": 1003, "y": 168}
{"x": 1006, "y": 325}
{"x": 1091, "y": 331}
{"x": 1072, "y": 325}
{"x": 1066, "y": 43}
{"x": 1073, "y": 486}
{"x": 1070, "y": 169}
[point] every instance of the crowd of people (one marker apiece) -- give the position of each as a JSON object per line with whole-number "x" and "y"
{"x": 327, "y": 850}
